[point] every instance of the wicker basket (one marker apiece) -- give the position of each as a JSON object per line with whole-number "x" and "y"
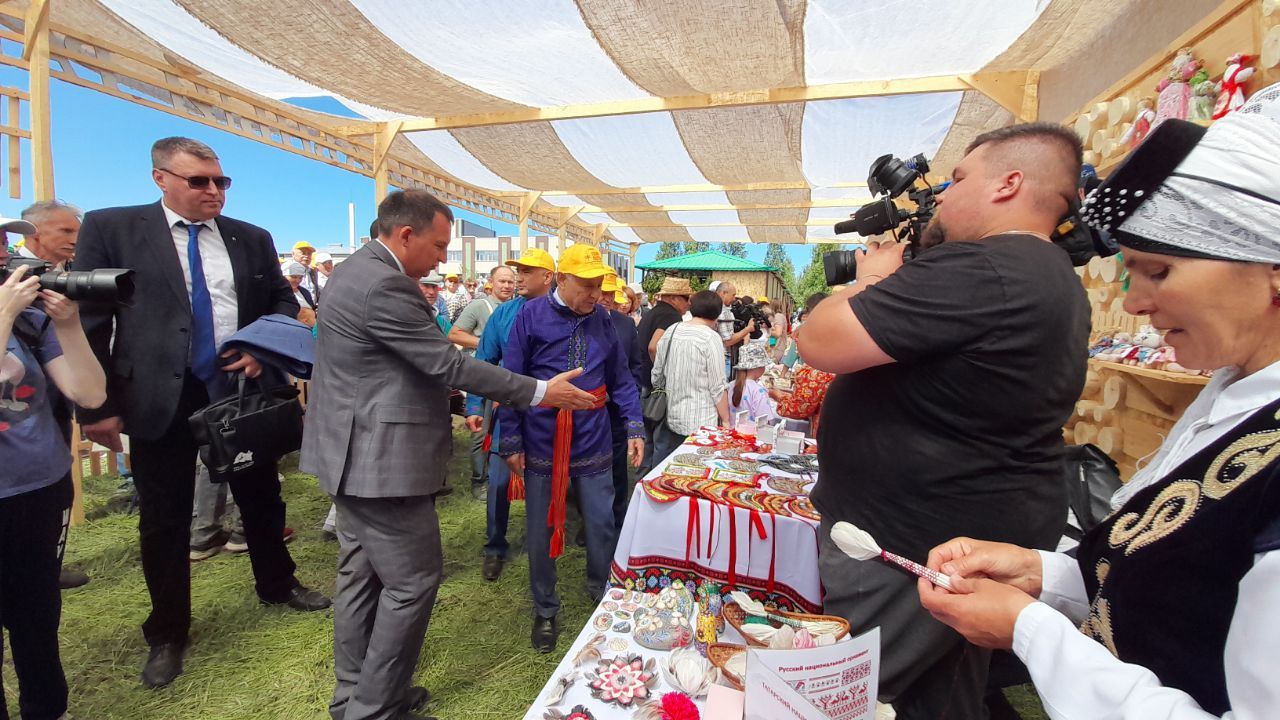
{"x": 736, "y": 616}
{"x": 719, "y": 654}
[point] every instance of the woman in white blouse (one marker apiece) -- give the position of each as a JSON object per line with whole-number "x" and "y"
{"x": 689, "y": 364}
{"x": 1172, "y": 609}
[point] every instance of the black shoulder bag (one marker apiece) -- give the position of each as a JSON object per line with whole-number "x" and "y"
{"x": 253, "y": 427}
{"x": 654, "y": 405}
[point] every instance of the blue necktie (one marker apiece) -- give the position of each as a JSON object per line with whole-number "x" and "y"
{"x": 204, "y": 360}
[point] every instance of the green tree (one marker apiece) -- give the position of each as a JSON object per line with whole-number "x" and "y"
{"x": 734, "y": 249}
{"x": 653, "y": 281}
{"x": 814, "y": 279}
{"x": 694, "y": 246}
{"x": 776, "y": 257}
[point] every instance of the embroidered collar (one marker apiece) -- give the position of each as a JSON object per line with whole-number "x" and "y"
{"x": 1232, "y": 397}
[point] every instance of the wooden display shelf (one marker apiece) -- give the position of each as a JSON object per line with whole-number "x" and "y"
{"x": 1164, "y": 375}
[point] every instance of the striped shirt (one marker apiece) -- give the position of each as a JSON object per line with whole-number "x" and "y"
{"x": 689, "y": 363}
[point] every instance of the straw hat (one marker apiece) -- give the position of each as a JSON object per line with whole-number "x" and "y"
{"x": 752, "y": 356}
{"x": 676, "y": 286}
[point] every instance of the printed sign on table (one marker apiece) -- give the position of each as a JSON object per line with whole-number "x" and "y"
{"x": 836, "y": 682}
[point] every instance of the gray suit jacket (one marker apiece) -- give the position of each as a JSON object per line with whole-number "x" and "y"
{"x": 378, "y": 422}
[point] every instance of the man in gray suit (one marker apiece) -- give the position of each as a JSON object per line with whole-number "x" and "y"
{"x": 379, "y": 436}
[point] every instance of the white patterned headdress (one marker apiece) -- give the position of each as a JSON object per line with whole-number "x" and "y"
{"x": 1202, "y": 193}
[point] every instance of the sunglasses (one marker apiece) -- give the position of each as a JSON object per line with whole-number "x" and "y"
{"x": 199, "y": 182}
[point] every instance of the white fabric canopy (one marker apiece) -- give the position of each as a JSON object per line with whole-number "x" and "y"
{"x": 387, "y": 59}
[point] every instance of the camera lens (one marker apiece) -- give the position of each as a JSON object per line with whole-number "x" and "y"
{"x": 104, "y": 285}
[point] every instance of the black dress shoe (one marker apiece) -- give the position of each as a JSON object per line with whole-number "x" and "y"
{"x": 492, "y": 567}
{"x": 416, "y": 698}
{"x": 302, "y": 599}
{"x": 71, "y": 578}
{"x": 581, "y": 538}
{"x": 545, "y": 633}
{"x": 164, "y": 664}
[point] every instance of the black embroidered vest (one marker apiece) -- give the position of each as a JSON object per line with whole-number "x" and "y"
{"x": 1163, "y": 572}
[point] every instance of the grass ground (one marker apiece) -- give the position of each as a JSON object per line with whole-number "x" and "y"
{"x": 247, "y": 661}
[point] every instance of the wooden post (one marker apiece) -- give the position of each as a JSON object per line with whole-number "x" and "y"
{"x": 382, "y": 147}
{"x": 527, "y": 201}
{"x": 35, "y": 50}
{"x": 15, "y": 149}
{"x": 559, "y": 244}
{"x": 631, "y": 267}
{"x": 77, "y": 477}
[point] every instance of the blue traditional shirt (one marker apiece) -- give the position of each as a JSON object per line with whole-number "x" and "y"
{"x": 547, "y": 339}
{"x": 492, "y": 342}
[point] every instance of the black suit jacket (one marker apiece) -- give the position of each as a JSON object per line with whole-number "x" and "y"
{"x": 147, "y": 360}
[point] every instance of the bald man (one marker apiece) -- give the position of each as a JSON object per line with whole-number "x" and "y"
{"x": 956, "y": 372}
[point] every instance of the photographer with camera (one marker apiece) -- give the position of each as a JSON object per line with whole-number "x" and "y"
{"x": 733, "y": 327}
{"x": 40, "y": 345}
{"x": 956, "y": 372}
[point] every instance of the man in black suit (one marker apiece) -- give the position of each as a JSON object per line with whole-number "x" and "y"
{"x": 200, "y": 277}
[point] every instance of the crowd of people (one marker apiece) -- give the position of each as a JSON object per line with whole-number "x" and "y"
{"x": 937, "y": 389}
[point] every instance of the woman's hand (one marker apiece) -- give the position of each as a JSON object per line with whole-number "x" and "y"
{"x": 982, "y": 610}
{"x": 17, "y": 293}
{"x": 62, "y": 309}
{"x": 1002, "y": 562}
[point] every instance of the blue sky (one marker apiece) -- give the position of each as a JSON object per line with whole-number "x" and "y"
{"x": 101, "y": 149}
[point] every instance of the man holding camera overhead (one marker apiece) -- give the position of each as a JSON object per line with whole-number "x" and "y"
{"x": 200, "y": 276}
{"x": 956, "y": 373}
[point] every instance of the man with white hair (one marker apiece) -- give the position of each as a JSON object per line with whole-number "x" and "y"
{"x": 57, "y": 229}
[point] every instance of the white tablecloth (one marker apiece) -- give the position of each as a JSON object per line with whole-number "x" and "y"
{"x": 656, "y": 545}
{"x": 580, "y": 692}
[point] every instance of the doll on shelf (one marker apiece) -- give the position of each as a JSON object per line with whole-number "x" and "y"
{"x": 1120, "y": 345}
{"x": 1145, "y": 342}
{"x": 1141, "y": 123}
{"x": 1175, "y": 88}
{"x": 1231, "y": 90}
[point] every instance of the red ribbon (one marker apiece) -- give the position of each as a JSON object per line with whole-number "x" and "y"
{"x": 693, "y": 526}
{"x": 560, "y": 471}
{"x": 733, "y": 550}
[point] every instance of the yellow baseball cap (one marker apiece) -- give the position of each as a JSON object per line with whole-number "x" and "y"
{"x": 534, "y": 258}
{"x": 583, "y": 261}
{"x": 762, "y": 299}
{"x": 610, "y": 283}
{"x": 302, "y": 244}
{"x": 451, "y": 275}
{"x": 620, "y": 297}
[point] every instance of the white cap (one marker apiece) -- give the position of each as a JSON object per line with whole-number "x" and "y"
{"x": 22, "y": 227}
{"x": 321, "y": 257}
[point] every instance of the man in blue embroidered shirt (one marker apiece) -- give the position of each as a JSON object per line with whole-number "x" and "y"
{"x": 566, "y": 329}
{"x": 535, "y": 271}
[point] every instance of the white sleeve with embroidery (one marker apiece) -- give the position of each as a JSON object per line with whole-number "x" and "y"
{"x": 1078, "y": 679}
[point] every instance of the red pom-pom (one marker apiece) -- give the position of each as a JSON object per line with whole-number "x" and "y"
{"x": 678, "y": 706}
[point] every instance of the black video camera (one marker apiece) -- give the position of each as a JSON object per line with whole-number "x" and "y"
{"x": 105, "y": 285}
{"x": 889, "y": 177}
{"x": 744, "y": 311}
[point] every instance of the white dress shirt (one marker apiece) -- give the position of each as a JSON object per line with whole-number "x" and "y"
{"x": 1079, "y": 679}
{"x": 216, "y": 262}
{"x": 689, "y": 364}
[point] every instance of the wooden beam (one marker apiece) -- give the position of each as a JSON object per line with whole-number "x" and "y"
{"x": 527, "y": 201}
{"x": 381, "y": 173}
{"x": 631, "y": 267}
{"x": 35, "y": 50}
{"x": 1031, "y": 98}
{"x": 559, "y": 245}
{"x": 848, "y": 202}
{"x": 1006, "y": 88}
{"x": 567, "y": 214}
{"x": 597, "y": 233}
{"x": 812, "y": 222}
{"x": 693, "y": 187}
{"x": 742, "y": 98}
{"x": 36, "y": 21}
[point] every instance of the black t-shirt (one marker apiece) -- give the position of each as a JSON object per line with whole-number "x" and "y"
{"x": 962, "y": 435}
{"x": 662, "y": 316}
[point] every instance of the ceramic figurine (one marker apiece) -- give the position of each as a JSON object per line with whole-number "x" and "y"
{"x": 1145, "y": 342}
{"x": 712, "y": 602}
{"x": 1231, "y": 92}
{"x": 668, "y": 622}
{"x": 1204, "y": 93}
